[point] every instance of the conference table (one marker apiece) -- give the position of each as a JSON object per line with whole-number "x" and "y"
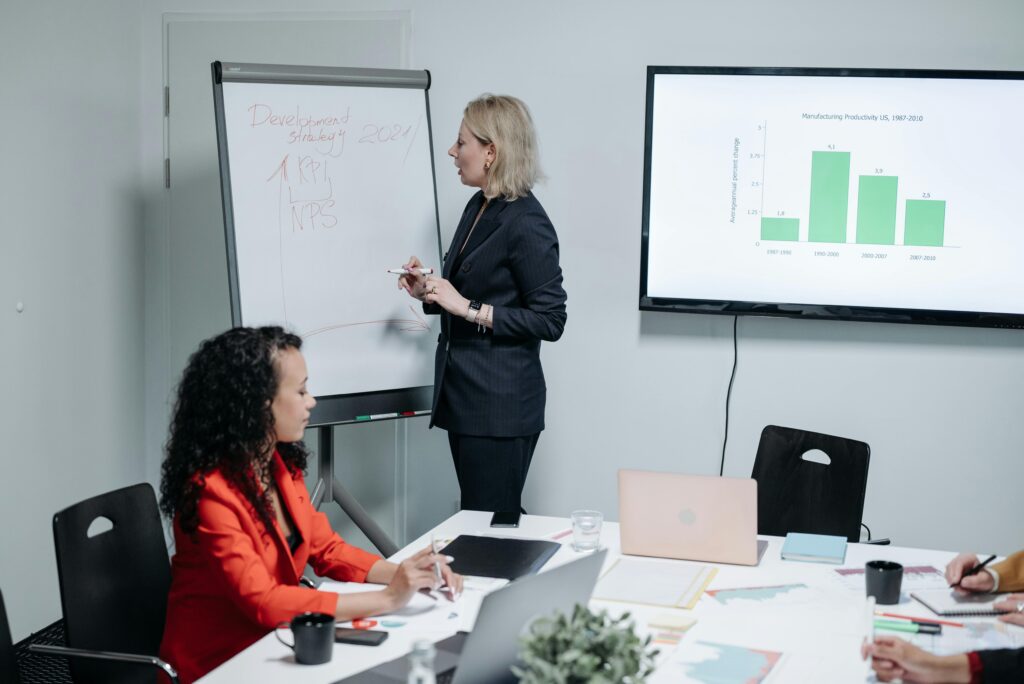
{"x": 780, "y": 621}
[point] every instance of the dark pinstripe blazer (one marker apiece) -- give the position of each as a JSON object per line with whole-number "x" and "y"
{"x": 492, "y": 384}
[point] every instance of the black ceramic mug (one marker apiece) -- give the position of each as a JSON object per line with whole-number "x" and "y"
{"x": 314, "y": 637}
{"x": 882, "y": 579}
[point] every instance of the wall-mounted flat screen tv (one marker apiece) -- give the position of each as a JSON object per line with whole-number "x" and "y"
{"x": 850, "y": 194}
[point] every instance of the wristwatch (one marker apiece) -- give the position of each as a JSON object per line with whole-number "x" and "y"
{"x": 473, "y": 311}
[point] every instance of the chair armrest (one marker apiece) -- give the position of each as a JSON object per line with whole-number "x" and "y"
{"x": 318, "y": 494}
{"x": 106, "y": 655}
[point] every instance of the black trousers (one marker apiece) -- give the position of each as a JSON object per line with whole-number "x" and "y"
{"x": 492, "y": 470}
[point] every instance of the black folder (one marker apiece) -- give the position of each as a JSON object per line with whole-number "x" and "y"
{"x": 499, "y": 556}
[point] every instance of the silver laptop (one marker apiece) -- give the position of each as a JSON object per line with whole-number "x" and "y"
{"x": 690, "y": 517}
{"x": 488, "y": 653}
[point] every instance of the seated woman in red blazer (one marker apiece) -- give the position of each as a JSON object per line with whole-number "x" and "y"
{"x": 244, "y": 527}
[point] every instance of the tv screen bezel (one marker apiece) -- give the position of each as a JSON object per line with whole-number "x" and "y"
{"x": 813, "y": 311}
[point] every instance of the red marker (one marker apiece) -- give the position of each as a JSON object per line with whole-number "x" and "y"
{"x": 922, "y": 619}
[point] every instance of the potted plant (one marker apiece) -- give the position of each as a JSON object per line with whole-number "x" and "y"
{"x": 586, "y": 647}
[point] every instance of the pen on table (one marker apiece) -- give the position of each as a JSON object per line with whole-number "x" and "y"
{"x": 949, "y": 623}
{"x": 973, "y": 571}
{"x": 404, "y": 271}
{"x": 908, "y": 626}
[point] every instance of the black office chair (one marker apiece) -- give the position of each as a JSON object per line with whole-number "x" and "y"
{"x": 19, "y": 666}
{"x": 8, "y": 660}
{"x": 797, "y": 492}
{"x": 113, "y": 587}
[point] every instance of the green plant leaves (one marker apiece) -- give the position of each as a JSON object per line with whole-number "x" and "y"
{"x": 584, "y": 648}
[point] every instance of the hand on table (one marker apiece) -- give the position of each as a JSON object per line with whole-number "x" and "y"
{"x": 979, "y": 582}
{"x": 893, "y": 659}
{"x": 452, "y": 581}
{"x": 1015, "y": 604}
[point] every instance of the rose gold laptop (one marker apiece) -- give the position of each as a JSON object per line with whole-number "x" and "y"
{"x": 691, "y": 517}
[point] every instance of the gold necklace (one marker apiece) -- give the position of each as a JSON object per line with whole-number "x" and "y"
{"x": 475, "y": 221}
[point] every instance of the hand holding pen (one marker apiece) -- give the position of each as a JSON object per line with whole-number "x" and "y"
{"x": 964, "y": 573}
{"x": 412, "y": 277}
{"x": 446, "y": 580}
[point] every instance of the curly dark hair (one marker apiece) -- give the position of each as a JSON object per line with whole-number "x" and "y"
{"x": 223, "y": 421}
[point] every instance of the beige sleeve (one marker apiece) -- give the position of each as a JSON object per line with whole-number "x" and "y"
{"x": 1010, "y": 572}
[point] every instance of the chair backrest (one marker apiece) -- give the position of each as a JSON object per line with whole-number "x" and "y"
{"x": 113, "y": 585}
{"x": 795, "y": 494}
{"x": 8, "y": 659}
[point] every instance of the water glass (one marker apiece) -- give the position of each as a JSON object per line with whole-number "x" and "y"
{"x": 586, "y": 530}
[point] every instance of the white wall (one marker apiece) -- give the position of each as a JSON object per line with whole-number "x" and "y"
{"x": 647, "y": 390}
{"x": 82, "y": 139}
{"x": 71, "y": 250}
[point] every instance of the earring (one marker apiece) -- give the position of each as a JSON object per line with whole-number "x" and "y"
{"x": 487, "y": 166}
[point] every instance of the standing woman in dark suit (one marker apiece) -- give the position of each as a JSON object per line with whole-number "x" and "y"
{"x": 500, "y": 293}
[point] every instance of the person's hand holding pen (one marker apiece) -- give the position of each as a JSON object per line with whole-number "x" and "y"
{"x": 414, "y": 280}
{"x": 966, "y": 573}
{"x": 413, "y": 574}
{"x": 446, "y": 580}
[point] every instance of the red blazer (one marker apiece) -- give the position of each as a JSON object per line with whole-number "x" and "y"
{"x": 235, "y": 583}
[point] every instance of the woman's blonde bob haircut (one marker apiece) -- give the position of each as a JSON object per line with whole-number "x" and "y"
{"x": 505, "y": 121}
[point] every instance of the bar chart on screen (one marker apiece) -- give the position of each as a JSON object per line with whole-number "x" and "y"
{"x": 873, "y": 192}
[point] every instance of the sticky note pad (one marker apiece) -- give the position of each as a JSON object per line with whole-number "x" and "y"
{"x": 672, "y": 622}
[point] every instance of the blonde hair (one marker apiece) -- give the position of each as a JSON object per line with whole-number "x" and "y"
{"x": 504, "y": 121}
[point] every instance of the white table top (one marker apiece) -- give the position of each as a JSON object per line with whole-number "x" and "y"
{"x": 819, "y": 640}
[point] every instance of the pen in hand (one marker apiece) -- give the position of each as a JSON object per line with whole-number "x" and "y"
{"x": 403, "y": 271}
{"x": 438, "y": 577}
{"x": 974, "y": 570}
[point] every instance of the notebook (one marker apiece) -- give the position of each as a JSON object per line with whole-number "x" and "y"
{"x": 948, "y": 602}
{"x": 689, "y": 517}
{"x": 814, "y": 548}
{"x": 499, "y": 556}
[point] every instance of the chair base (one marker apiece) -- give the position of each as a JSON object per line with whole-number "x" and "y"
{"x": 41, "y": 669}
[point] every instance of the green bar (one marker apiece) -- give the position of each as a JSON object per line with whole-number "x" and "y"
{"x": 876, "y": 210}
{"x": 780, "y": 229}
{"x": 830, "y": 196}
{"x": 925, "y": 223}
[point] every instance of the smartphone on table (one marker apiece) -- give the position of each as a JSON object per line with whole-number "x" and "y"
{"x": 505, "y": 519}
{"x": 360, "y": 637}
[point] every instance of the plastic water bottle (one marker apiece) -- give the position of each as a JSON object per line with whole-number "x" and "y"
{"x": 421, "y": 663}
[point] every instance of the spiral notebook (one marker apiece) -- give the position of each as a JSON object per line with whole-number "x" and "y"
{"x": 946, "y": 602}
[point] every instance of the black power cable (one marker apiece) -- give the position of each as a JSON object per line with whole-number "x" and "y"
{"x": 728, "y": 393}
